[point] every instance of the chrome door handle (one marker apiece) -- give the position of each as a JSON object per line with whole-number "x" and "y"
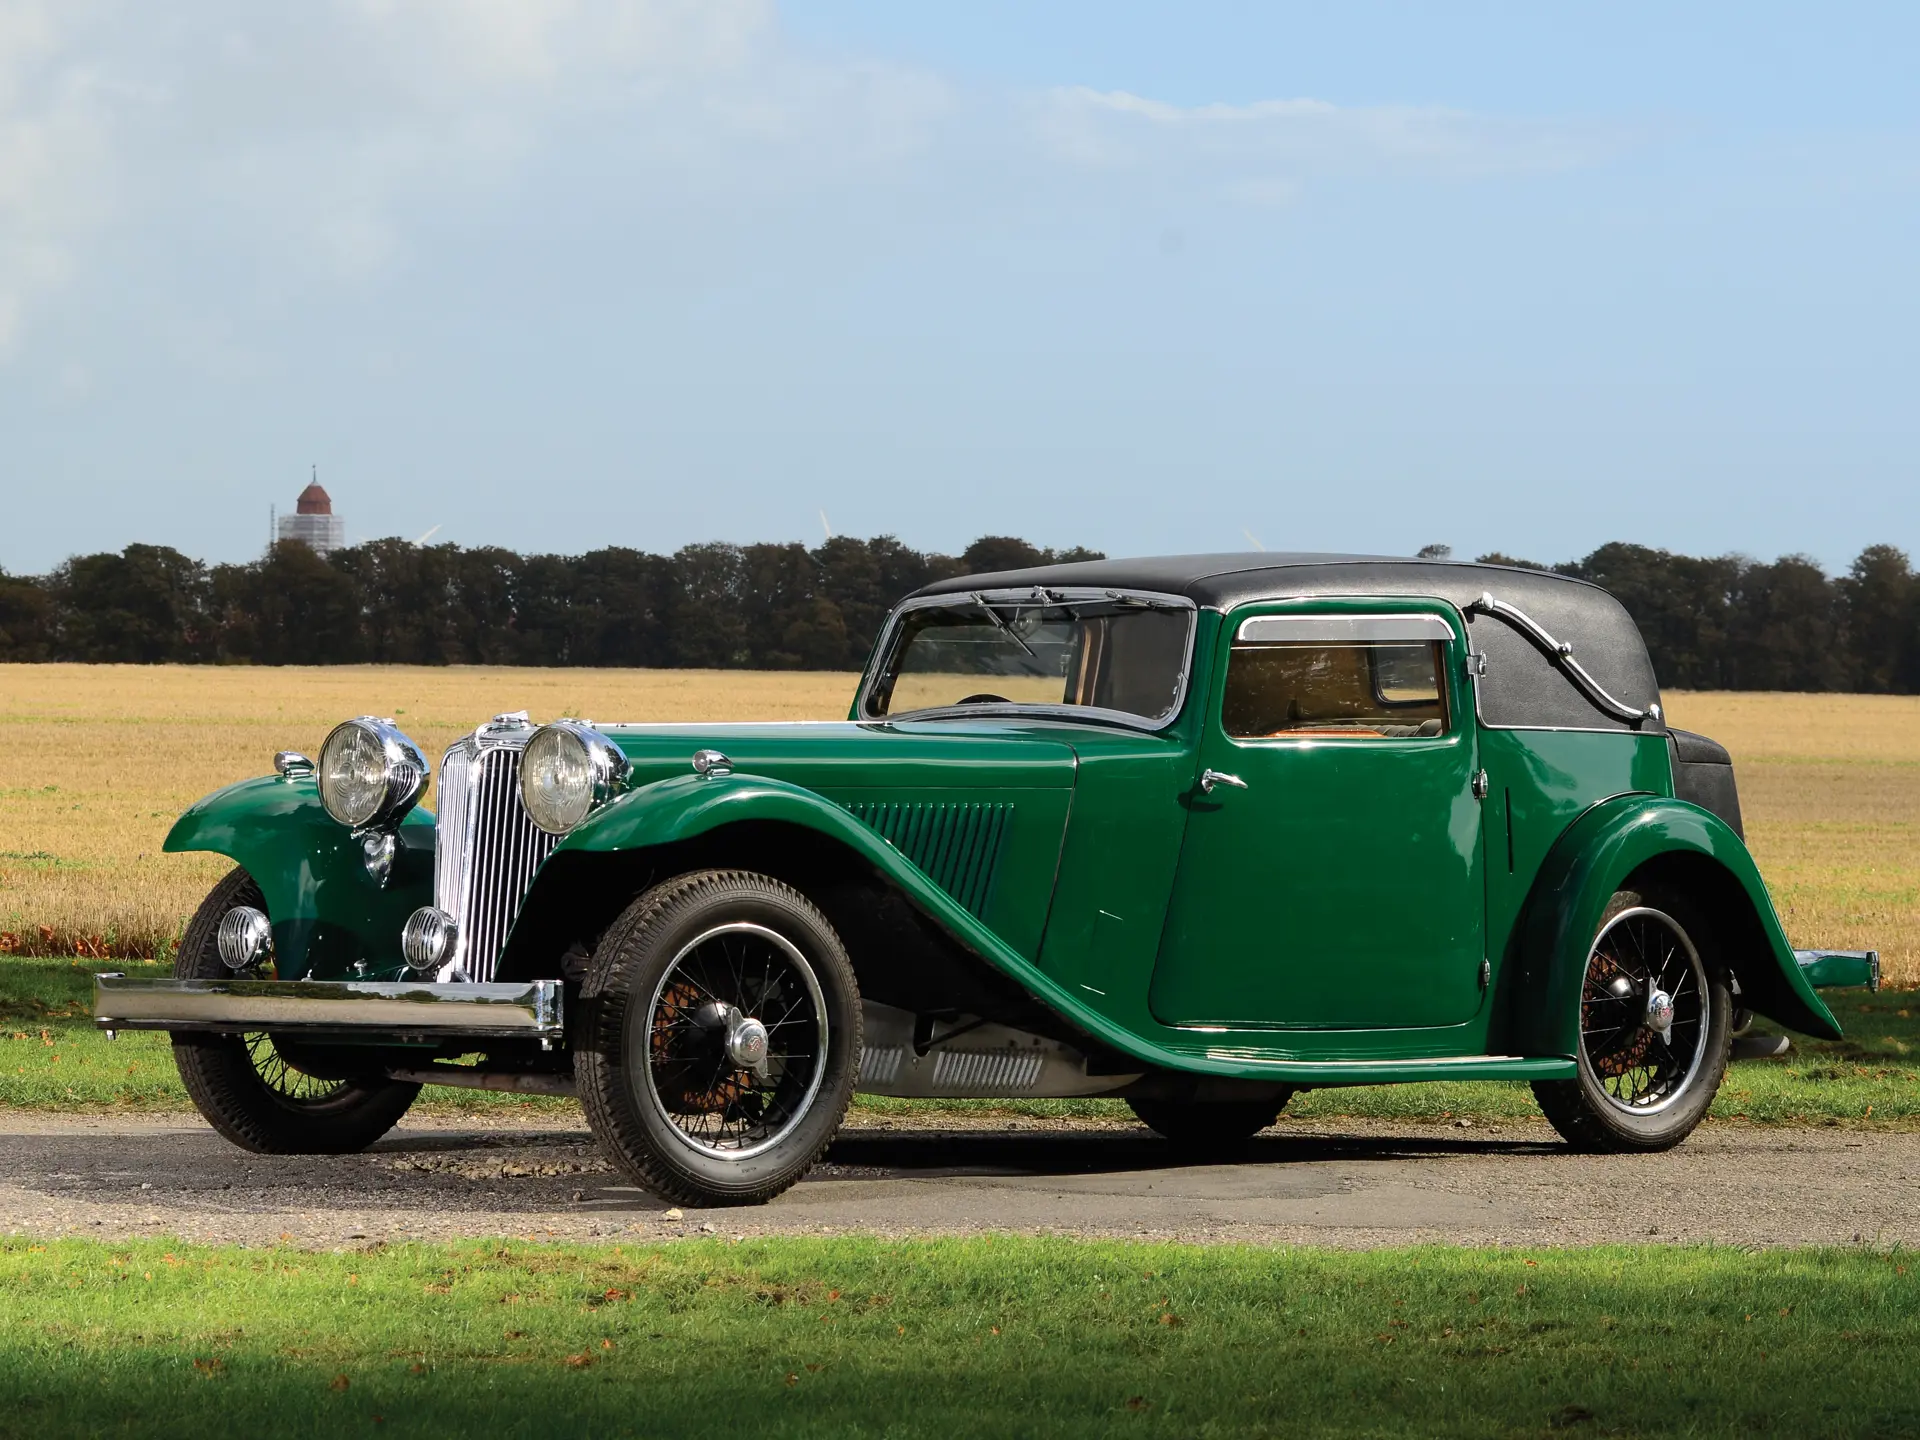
{"x": 1211, "y": 778}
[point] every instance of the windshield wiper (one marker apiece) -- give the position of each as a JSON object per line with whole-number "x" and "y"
{"x": 1000, "y": 624}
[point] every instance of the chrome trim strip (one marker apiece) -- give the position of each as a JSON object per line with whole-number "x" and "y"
{"x": 525, "y": 1008}
{"x": 1562, "y": 655}
{"x": 1438, "y": 1062}
{"x": 1408, "y": 629}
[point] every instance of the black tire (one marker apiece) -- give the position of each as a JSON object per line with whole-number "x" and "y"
{"x": 247, "y": 1089}
{"x": 670, "y": 985}
{"x": 1206, "y": 1126}
{"x": 1636, "y": 1090}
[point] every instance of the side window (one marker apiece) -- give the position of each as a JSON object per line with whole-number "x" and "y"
{"x": 1337, "y": 677}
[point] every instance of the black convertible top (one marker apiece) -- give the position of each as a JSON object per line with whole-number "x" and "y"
{"x": 1524, "y": 685}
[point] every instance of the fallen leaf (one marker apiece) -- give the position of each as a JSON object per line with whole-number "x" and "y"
{"x": 339, "y": 1382}
{"x": 792, "y": 1378}
{"x": 579, "y": 1362}
{"x": 1139, "y": 1402}
{"x": 210, "y": 1365}
{"x": 1169, "y": 1318}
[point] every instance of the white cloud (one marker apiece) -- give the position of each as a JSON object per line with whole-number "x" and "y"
{"x": 53, "y": 139}
{"x": 311, "y": 136}
{"x": 288, "y": 146}
{"x": 1262, "y": 150}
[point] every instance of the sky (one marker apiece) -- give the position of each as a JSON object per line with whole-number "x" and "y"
{"x": 559, "y": 274}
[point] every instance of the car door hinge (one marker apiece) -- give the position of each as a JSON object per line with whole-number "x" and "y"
{"x": 1479, "y": 784}
{"x": 1486, "y": 973}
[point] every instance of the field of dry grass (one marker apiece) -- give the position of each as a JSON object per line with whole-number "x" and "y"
{"x": 95, "y": 761}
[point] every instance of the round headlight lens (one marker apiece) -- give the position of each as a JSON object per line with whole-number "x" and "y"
{"x": 556, "y": 780}
{"x": 568, "y": 768}
{"x": 370, "y": 773}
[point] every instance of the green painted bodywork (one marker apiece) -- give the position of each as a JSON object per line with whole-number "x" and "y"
{"x": 1580, "y": 874}
{"x": 328, "y": 913}
{"x": 1354, "y": 915}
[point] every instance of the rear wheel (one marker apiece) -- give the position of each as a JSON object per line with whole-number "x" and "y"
{"x": 1655, "y": 1026}
{"x": 720, "y": 1038}
{"x": 1210, "y": 1125}
{"x": 263, "y": 1098}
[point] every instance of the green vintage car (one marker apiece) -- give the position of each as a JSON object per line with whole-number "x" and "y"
{"x": 1194, "y": 832}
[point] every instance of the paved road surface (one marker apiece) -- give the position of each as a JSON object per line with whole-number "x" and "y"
{"x": 1326, "y": 1183}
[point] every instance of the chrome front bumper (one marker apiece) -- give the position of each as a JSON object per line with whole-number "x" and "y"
{"x": 528, "y": 1009}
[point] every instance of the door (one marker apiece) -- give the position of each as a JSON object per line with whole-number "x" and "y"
{"x": 1331, "y": 872}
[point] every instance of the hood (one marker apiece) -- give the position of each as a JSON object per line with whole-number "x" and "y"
{"x": 840, "y": 755}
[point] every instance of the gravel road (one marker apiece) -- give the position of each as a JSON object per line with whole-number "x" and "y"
{"x": 1325, "y": 1183}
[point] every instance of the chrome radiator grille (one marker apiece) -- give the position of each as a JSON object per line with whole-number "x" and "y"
{"x": 486, "y": 850}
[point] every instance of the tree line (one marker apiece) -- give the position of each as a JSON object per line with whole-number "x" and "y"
{"x": 1715, "y": 623}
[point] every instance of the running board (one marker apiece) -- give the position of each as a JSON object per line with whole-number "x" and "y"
{"x": 518, "y": 1010}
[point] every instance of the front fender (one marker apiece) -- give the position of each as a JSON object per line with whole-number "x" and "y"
{"x": 1697, "y": 852}
{"x": 687, "y": 807}
{"x": 327, "y": 911}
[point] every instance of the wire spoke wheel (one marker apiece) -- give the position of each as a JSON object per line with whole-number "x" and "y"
{"x": 736, "y": 1041}
{"x": 1645, "y": 1011}
{"x": 282, "y": 1078}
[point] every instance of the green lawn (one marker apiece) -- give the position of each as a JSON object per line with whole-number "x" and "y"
{"x": 51, "y": 1058}
{"x": 986, "y": 1337}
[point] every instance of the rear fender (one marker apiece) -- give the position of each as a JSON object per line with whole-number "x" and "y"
{"x": 1683, "y": 847}
{"x": 327, "y": 911}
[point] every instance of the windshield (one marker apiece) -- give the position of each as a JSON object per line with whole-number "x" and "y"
{"x": 1122, "y": 654}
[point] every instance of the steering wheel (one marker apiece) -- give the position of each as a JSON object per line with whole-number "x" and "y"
{"x": 984, "y": 699}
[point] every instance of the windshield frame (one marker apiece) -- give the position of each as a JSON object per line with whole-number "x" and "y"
{"x": 1028, "y": 595}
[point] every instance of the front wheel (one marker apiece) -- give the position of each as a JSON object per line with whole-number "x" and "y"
{"x": 1655, "y": 1025}
{"x": 720, "y": 1038}
{"x": 264, "y": 1099}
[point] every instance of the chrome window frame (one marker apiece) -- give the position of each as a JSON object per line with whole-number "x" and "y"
{"x": 1414, "y": 627}
{"x": 1340, "y": 628}
{"x": 1028, "y": 595}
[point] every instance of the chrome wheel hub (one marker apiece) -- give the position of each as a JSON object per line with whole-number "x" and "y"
{"x": 747, "y": 1043}
{"x": 1660, "y": 1013}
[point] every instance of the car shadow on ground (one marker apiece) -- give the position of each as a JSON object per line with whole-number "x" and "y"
{"x": 932, "y": 1152}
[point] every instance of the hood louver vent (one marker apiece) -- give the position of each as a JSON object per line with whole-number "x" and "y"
{"x": 957, "y": 845}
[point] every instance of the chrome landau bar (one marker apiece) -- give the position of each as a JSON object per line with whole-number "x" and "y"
{"x": 522, "y": 1009}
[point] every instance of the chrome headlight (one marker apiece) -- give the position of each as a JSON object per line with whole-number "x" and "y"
{"x": 370, "y": 773}
{"x": 568, "y": 770}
